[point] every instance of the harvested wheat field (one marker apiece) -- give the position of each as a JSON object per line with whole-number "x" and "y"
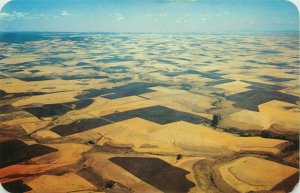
{"x": 130, "y": 121}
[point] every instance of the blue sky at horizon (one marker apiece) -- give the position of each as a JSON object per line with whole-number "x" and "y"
{"x": 156, "y": 16}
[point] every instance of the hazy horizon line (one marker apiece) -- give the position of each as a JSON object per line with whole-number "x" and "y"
{"x": 145, "y": 32}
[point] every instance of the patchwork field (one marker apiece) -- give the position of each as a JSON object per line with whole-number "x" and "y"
{"x": 149, "y": 113}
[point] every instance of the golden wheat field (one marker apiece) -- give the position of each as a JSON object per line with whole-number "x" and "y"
{"x": 149, "y": 113}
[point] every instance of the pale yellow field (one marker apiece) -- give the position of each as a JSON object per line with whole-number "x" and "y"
{"x": 150, "y": 113}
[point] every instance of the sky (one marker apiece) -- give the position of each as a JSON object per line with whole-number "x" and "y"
{"x": 150, "y": 16}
